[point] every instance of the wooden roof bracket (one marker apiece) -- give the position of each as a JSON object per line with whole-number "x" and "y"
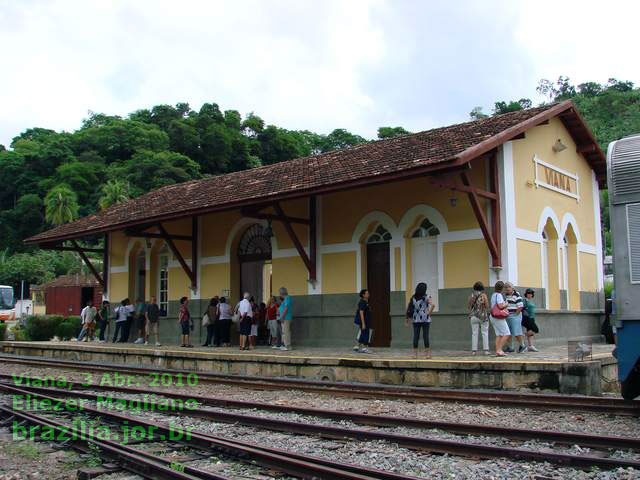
{"x": 191, "y": 272}
{"x": 82, "y": 252}
{"x": 491, "y": 233}
{"x": 310, "y": 260}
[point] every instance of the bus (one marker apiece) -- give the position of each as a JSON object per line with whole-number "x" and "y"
{"x": 7, "y": 305}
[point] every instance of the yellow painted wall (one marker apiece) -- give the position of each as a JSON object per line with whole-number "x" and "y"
{"x": 394, "y": 199}
{"x": 588, "y": 275}
{"x": 180, "y": 227}
{"x": 215, "y": 232}
{"x": 529, "y": 264}
{"x": 118, "y": 286}
{"x": 179, "y": 284}
{"x": 530, "y": 201}
{"x": 214, "y": 279}
{"x": 465, "y": 262}
{"x": 292, "y": 208}
{"x": 339, "y": 272}
{"x": 117, "y": 249}
{"x": 290, "y": 273}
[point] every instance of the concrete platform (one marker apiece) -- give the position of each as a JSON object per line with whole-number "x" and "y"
{"x": 546, "y": 370}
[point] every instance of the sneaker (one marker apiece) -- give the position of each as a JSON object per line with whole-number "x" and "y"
{"x": 101, "y": 341}
{"x": 522, "y": 349}
{"x": 356, "y": 348}
{"x": 139, "y": 341}
{"x": 487, "y": 352}
{"x": 275, "y": 347}
{"x": 285, "y": 349}
{"x": 532, "y": 349}
{"x": 158, "y": 344}
{"x": 507, "y": 350}
{"x": 146, "y": 343}
{"x": 364, "y": 350}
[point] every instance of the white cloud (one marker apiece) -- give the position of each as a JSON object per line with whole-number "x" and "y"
{"x": 298, "y": 64}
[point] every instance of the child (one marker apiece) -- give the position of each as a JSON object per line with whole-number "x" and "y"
{"x": 363, "y": 321}
{"x": 529, "y": 319}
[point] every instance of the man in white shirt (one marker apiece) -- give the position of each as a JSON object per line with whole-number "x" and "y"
{"x": 88, "y": 316}
{"x": 246, "y": 318}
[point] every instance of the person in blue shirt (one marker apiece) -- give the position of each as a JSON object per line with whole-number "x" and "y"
{"x": 286, "y": 316}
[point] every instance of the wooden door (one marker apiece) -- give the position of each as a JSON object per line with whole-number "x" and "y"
{"x": 378, "y": 278}
{"x": 251, "y": 274}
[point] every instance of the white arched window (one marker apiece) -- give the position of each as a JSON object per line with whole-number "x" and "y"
{"x": 163, "y": 281}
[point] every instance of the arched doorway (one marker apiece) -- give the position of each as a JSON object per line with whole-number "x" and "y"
{"x": 551, "y": 265}
{"x": 254, "y": 257}
{"x": 424, "y": 257}
{"x": 378, "y": 284}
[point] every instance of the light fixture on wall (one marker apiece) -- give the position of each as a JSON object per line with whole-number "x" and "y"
{"x": 559, "y": 146}
{"x": 268, "y": 232}
{"x": 453, "y": 200}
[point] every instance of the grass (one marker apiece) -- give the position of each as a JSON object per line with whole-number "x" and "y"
{"x": 26, "y": 449}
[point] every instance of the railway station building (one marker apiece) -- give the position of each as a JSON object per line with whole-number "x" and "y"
{"x": 511, "y": 197}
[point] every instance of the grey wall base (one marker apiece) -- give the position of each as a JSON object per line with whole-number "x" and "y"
{"x": 327, "y": 321}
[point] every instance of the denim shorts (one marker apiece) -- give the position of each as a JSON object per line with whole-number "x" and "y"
{"x": 515, "y": 324}
{"x": 500, "y": 327}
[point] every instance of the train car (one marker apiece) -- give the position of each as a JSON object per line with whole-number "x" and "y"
{"x": 623, "y": 178}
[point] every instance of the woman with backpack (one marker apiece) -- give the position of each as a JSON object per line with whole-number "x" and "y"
{"x": 479, "y": 317}
{"x": 499, "y": 314}
{"x": 419, "y": 311}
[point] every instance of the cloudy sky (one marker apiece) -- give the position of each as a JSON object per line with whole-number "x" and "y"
{"x": 301, "y": 64}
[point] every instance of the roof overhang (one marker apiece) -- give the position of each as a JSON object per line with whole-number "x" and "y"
{"x": 566, "y": 111}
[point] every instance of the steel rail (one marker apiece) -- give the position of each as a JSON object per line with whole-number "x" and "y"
{"x": 412, "y": 394}
{"x": 135, "y": 461}
{"x": 292, "y": 463}
{"x": 568, "y": 438}
{"x": 418, "y": 443}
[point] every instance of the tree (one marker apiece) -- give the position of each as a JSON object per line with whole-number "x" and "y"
{"x": 390, "y": 132}
{"x": 476, "y": 113}
{"x": 61, "y": 205}
{"x": 341, "y": 138}
{"x": 512, "y": 106}
{"x": 149, "y": 170}
{"x": 114, "y": 191}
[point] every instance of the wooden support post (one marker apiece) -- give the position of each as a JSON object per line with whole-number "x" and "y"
{"x": 172, "y": 246}
{"x": 313, "y": 240}
{"x": 292, "y": 235}
{"x": 88, "y": 263}
{"x": 484, "y": 226}
{"x": 194, "y": 252}
{"x": 494, "y": 185}
{"x": 105, "y": 263}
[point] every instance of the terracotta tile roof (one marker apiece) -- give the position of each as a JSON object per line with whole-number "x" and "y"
{"x": 73, "y": 280}
{"x": 368, "y": 163}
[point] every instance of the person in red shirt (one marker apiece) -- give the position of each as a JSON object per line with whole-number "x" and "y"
{"x": 272, "y": 323}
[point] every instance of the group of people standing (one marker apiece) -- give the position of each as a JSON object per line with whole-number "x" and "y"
{"x": 513, "y": 319}
{"x": 276, "y": 317}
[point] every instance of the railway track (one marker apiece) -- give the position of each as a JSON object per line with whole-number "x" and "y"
{"x": 583, "y": 440}
{"x": 433, "y": 445}
{"x": 151, "y": 466}
{"x": 372, "y": 391}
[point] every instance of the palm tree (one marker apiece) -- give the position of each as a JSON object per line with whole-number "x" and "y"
{"x": 114, "y": 191}
{"x": 61, "y": 205}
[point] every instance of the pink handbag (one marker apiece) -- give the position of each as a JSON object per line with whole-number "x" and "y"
{"x": 496, "y": 312}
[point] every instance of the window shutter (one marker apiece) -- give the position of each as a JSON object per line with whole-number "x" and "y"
{"x": 633, "y": 222}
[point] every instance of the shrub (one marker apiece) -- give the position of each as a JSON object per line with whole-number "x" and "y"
{"x": 3, "y": 331}
{"x": 66, "y": 331}
{"x": 19, "y": 334}
{"x": 69, "y": 328}
{"x": 42, "y": 327}
{"x": 608, "y": 288}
